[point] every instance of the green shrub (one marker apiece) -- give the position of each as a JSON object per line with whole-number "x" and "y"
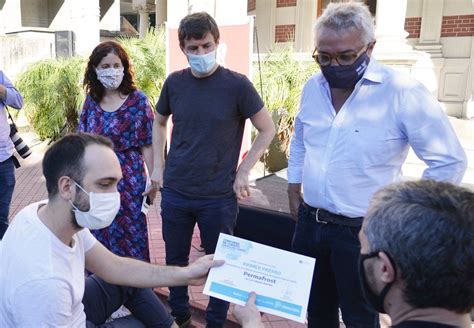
{"x": 148, "y": 60}
{"x": 281, "y": 83}
{"x": 53, "y": 94}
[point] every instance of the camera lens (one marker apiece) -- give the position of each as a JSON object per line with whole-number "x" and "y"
{"x": 21, "y": 147}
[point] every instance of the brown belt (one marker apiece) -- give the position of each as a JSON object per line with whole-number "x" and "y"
{"x": 324, "y": 217}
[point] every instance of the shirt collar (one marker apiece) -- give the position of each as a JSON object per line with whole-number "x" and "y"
{"x": 374, "y": 71}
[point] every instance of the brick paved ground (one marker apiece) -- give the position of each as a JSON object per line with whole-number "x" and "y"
{"x": 30, "y": 187}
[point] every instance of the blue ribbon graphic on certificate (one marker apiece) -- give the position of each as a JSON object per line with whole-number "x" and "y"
{"x": 281, "y": 279}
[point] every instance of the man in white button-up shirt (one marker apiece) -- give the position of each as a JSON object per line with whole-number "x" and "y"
{"x": 352, "y": 135}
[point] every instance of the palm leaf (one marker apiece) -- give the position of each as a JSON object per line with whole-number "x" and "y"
{"x": 282, "y": 80}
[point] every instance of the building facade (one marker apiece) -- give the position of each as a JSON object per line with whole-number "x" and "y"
{"x": 432, "y": 40}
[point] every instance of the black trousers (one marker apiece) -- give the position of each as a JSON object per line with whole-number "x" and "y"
{"x": 101, "y": 299}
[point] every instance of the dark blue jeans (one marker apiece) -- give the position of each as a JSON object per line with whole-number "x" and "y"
{"x": 179, "y": 216}
{"x": 101, "y": 299}
{"x": 7, "y": 184}
{"x": 336, "y": 283}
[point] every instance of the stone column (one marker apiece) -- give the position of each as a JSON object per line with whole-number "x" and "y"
{"x": 144, "y": 22}
{"x": 144, "y": 10}
{"x": 85, "y": 17}
{"x": 305, "y": 20}
{"x": 265, "y": 22}
{"x": 468, "y": 106}
{"x": 430, "y": 33}
{"x": 428, "y": 68}
{"x": 392, "y": 46}
{"x": 160, "y": 12}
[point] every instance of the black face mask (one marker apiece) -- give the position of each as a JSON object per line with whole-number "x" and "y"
{"x": 376, "y": 301}
{"x": 346, "y": 77}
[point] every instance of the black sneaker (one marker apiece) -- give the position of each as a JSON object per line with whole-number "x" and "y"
{"x": 184, "y": 321}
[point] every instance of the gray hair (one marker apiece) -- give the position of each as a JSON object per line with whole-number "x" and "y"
{"x": 341, "y": 17}
{"x": 428, "y": 229}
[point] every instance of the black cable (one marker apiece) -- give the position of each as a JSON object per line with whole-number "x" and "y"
{"x": 261, "y": 82}
{"x": 258, "y": 56}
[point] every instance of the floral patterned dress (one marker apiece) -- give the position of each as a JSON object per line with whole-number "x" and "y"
{"x": 129, "y": 128}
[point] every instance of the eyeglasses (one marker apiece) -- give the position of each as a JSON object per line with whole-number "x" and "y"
{"x": 343, "y": 59}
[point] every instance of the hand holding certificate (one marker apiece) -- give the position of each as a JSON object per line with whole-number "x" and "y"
{"x": 281, "y": 279}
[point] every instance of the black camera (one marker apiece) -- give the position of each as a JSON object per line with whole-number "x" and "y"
{"x": 21, "y": 147}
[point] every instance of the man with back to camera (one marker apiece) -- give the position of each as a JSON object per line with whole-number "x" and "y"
{"x": 416, "y": 261}
{"x": 201, "y": 182}
{"x": 417, "y": 254}
{"x": 9, "y": 96}
{"x": 352, "y": 134}
{"x": 48, "y": 247}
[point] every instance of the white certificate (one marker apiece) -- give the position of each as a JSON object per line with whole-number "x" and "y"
{"x": 281, "y": 279}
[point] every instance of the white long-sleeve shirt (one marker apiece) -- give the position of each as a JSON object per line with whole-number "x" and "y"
{"x": 342, "y": 159}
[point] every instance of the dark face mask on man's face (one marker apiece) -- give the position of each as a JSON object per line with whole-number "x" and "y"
{"x": 374, "y": 300}
{"x": 346, "y": 77}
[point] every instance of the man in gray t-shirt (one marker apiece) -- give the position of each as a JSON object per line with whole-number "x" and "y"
{"x": 200, "y": 181}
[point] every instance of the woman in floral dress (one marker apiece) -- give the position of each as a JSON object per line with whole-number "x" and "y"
{"x": 114, "y": 108}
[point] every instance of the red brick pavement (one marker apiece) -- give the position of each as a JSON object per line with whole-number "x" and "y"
{"x": 30, "y": 187}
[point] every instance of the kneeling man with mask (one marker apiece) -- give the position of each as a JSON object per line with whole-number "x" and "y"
{"x": 48, "y": 247}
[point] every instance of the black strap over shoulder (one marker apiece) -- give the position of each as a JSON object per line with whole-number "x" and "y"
{"x": 8, "y": 112}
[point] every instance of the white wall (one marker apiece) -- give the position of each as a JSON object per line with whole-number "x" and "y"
{"x": 458, "y": 7}
{"x": 111, "y": 20}
{"x": 10, "y": 16}
{"x": 16, "y": 53}
{"x": 415, "y": 8}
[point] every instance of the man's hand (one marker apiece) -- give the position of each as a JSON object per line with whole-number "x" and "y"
{"x": 151, "y": 192}
{"x": 248, "y": 316}
{"x": 241, "y": 184}
{"x": 197, "y": 271}
{"x": 156, "y": 183}
{"x": 3, "y": 91}
{"x": 294, "y": 199}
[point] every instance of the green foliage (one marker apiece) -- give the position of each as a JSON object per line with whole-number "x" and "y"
{"x": 53, "y": 95}
{"x": 283, "y": 77}
{"x": 148, "y": 59}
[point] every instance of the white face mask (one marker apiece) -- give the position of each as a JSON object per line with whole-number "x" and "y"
{"x": 103, "y": 207}
{"x": 202, "y": 64}
{"x": 111, "y": 78}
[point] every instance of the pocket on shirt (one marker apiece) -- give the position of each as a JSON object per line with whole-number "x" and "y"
{"x": 369, "y": 145}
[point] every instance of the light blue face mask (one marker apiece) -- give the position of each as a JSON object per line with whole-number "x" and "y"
{"x": 202, "y": 64}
